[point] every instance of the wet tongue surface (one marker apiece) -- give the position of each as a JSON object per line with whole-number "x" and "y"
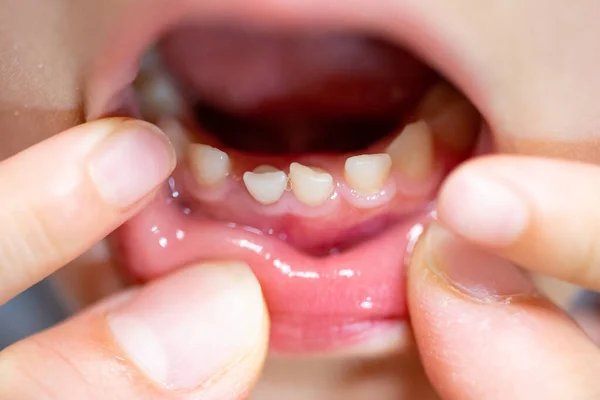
{"x": 309, "y": 86}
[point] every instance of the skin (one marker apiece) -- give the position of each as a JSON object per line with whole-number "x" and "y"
{"x": 529, "y": 66}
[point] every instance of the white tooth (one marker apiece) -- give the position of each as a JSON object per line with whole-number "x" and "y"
{"x": 311, "y": 187}
{"x": 266, "y": 184}
{"x": 208, "y": 164}
{"x": 413, "y": 152}
{"x": 453, "y": 120}
{"x": 366, "y": 174}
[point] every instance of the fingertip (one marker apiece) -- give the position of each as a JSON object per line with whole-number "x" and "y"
{"x": 131, "y": 162}
{"x": 195, "y": 327}
{"x": 199, "y": 333}
{"x": 474, "y": 273}
{"x": 481, "y": 207}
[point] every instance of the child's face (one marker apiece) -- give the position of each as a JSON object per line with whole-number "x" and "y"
{"x": 528, "y": 66}
{"x": 531, "y": 65}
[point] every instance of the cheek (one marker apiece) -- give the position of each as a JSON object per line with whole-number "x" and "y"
{"x": 45, "y": 48}
{"x": 22, "y": 126}
{"x": 37, "y": 73}
{"x": 535, "y": 63}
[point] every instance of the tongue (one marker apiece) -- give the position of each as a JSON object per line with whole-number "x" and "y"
{"x": 286, "y": 75}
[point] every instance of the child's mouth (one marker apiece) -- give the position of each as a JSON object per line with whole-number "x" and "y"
{"x": 312, "y": 153}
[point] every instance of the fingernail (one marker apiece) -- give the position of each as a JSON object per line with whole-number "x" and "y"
{"x": 482, "y": 208}
{"x": 185, "y": 329}
{"x": 131, "y": 162}
{"x": 471, "y": 271}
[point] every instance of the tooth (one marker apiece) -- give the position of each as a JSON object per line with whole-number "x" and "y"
{"x": 311, "y": 187}
{"x": 413, "y": 152}
{"x": 454, "y": 121}
{"x": 208, "y": 164}
{"x": 366, "y": 174}
{"x": 176, "y": 133}
{"x": 266, "y": 184}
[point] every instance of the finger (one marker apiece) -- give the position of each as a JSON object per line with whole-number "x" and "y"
{"x": 200, "y": 333}
{"x": 66, "y": 193}
{"x": 541, "y": 214}
{"x": 484, "y": 333}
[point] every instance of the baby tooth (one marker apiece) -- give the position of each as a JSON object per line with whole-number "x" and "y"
{"x": 266, "y": 184}
{"x": 208, "y": 164}
{"x": 176, "y": 133}
{"x": 453, "y": 120}
{"x": 311, "y": 187}
{"x": 366, "y": 174}
{"x": 413, "y": 152}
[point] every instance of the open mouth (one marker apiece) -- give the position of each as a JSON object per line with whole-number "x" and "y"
{"x": 311, "y": 151}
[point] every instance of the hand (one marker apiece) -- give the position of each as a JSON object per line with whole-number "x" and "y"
{"x": 483, "y": 330}
{"x": 199, "y": 333}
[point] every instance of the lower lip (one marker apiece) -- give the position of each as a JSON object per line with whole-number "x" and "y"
{"x": 316, "y": 304}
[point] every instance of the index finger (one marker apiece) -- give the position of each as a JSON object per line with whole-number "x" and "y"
{"x": 62, "y": 195}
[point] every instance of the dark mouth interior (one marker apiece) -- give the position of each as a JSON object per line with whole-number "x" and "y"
{"x": 294, "y": 92}
{"x": 293, "y": 135}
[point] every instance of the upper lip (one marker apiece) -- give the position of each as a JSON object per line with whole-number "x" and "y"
{"x": 146, "y": 20}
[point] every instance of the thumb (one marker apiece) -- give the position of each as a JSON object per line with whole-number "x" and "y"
{"x": 200, "y": 333}
{"x": 484, "y": 332}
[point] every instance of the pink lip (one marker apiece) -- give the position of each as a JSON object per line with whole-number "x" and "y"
{"x": 322, "y": 300}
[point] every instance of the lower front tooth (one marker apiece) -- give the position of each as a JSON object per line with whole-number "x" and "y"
{"x": 311, "y": 187}
{"x": 266, "y": 184}
{"x": 366, "y": 174}
{"x": 208, "y": 164}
